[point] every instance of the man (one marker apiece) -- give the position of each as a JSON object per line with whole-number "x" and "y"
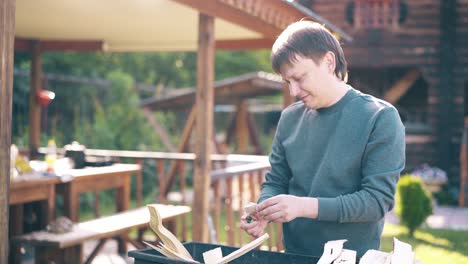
{"x": 337, "y": 153}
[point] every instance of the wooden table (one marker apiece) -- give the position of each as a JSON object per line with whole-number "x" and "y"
{"x": 29, "y": 189}
{"x": 91, "y": 179}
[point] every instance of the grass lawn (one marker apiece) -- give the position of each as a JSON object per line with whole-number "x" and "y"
{"x": 432, "y": 246}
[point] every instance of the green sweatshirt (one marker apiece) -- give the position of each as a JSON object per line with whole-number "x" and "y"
{"x": 349, "y": 156}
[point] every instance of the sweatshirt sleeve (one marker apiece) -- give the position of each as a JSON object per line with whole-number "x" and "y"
{"x": 277, "y": 179}
{"x": 382, "y": 162}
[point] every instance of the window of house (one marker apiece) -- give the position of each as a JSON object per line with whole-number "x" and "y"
{"x": 370, "y": 14}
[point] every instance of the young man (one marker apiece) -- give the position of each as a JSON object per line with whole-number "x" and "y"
{"x": 337, "y": 153}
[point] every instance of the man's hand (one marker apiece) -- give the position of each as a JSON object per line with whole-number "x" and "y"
{"x": 253, "y": 227}
{"x": 284, "y": 208}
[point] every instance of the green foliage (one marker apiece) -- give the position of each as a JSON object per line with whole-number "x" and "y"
{"x": 413, "y": 202}
{"x": 108, "y": 116}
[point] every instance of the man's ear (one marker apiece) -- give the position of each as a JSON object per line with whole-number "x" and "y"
{"x": 329, "y": 59}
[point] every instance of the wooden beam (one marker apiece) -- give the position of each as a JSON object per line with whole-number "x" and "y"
{"x": 242, "y": 131}
{"x": 22, "y": 44}
{"x": 231, "y": 14}
{"x": 253, "y": 134}
{"x": 204, "y": 126}
{"x": 183, "y": 143}
{"x": 7, "y": 34}
{"x": 159, "y": 129}
{"x": 34, "y": 106}
{"x": 402, "y": 86}
{"x": 231, "y": 130}
{"x": 244, "y": 44}
{"x": 76, "y": 45}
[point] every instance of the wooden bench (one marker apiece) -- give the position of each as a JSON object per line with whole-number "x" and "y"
{"x": 67, "y": 248}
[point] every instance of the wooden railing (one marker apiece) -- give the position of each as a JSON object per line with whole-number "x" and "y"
{"x": 235, "y": 180}
{"x": 233, "y": 187}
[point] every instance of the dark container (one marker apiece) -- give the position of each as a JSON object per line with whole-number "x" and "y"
{"x": 151, "y": 256}
{"x": 76, "y": 152}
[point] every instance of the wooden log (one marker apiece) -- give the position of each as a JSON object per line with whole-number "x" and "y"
{"x": 7, "y": 34}
{"x": 204, "y": 126}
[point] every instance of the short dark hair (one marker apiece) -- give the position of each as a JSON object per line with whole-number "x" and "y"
{"x": 307, "y": 39}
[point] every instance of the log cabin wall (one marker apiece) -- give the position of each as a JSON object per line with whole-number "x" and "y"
{"x": 385, "y": 48}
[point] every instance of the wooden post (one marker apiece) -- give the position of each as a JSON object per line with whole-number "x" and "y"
{"x": 7, "y": 36}
{"x": 34, "y": 106}
{"x": 242, "y": 131}
{"x": 204, "y": 126}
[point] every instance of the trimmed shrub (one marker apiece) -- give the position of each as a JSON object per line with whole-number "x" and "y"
{"x": 413, "y": 202}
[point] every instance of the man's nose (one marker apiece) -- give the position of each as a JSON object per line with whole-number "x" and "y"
{"x": 293, "y": 89}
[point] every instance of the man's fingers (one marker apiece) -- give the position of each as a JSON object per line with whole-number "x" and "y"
{"x": 275, "y": 217}
{"x": 269, "y": 210}
{"x": 267, "y": 203}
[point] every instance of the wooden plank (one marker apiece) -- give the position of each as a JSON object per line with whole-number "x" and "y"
{"x": 402, "y": 86}
{"x": 159, "y": 129}
{"x": 204, "y": 126}
{"x": 34, "y": 107}
{"x": 7, "y": 33}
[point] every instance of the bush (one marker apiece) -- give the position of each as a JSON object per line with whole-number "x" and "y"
{"x": 413, "y": 202}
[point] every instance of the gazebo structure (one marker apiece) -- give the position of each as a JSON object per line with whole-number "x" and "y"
{"x": 233, "y": 91}
{"x": 143, "y": 25}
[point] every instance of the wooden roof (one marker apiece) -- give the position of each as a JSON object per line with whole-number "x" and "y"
{"x": 150, "y": 25}
{"x": 227, "y": 91}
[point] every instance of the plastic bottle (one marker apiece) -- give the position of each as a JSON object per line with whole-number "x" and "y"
{"x": 51, "y": 155}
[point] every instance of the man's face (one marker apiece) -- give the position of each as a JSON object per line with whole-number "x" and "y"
{"x": 308, "y": 81}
